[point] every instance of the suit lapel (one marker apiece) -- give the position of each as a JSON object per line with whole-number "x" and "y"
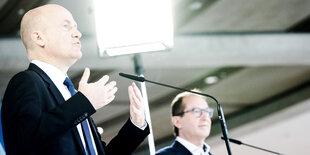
{"x": 51, "y": 86}
{"x": 96, "y": 136}
{"x": 77, "y": 137}
{"x": 178, "y": 146}
{"x": 57, "y": 95}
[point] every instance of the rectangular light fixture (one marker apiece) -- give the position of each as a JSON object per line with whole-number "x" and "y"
{"x": 133, "y": 26}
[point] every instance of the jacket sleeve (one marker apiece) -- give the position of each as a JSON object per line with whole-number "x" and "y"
{"x": 127, "y": 140}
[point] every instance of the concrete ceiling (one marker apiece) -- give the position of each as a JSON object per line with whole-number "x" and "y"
{"x": 259, "y": 50}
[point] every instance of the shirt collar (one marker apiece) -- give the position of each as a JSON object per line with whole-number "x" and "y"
{"x": 191, "y": 147}
{"x": 56, "y": 75}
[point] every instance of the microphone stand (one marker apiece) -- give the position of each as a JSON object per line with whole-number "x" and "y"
{"x": 139, "y": 71}
{"x": 219, "y": 107}
{"x": 241, "y": 143}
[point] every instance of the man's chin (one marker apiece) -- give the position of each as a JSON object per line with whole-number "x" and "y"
{"x": 79, "y": 55}
{"x": 205, "y": 132}
{"x": 75, "y": 58}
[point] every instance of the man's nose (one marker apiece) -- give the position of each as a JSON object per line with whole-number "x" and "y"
{"x": 205, "y": 115}
{"x": 76, "y": 34}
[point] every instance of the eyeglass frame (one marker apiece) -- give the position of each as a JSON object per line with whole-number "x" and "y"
{"x": 210, "y": 112}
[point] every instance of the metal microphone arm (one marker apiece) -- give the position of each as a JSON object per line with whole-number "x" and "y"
{"x": 241, "y": 143}
{"x": 219, "y": 107}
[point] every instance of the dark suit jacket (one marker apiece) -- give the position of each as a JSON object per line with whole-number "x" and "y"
{"x": 176, "y": 148}
{"x": 37, "y": 120}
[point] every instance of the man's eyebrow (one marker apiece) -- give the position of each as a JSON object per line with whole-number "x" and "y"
{"x": 73, "y": 24}
{"x": 67, "y": 21}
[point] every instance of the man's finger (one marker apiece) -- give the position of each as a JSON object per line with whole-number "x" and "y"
{"x": 85, "y": 75}
{"x": 103, "y": 80}
{"x": 112, "y": 91}
{"x": 134, "y": 109}
{"x": 110, "y": 85}
{"x": 110, "y": 99}
{"x": 130, "y": 93}
{"x": 137, "y": 91}
{"x": 137, "y": 103}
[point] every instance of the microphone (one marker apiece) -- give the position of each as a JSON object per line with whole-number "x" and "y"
{"x": 142, "y": 79}
{"x": 219, "y": 107}
{"x": 132, "y": 77}
{"x": 241, "y": 143}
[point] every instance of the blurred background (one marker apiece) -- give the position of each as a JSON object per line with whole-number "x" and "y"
{"x": 253, "y": 56}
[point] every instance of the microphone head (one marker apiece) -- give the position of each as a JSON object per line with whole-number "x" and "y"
{"x": 132, "y": 77}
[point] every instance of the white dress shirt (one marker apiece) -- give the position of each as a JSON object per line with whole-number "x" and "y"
{"x": 195, "y": 150}
{"x": 58, "y": 78}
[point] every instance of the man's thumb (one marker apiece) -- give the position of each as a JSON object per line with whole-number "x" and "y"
{"x": 85, "y": 75}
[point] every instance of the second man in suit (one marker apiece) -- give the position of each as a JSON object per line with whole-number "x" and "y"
{"x": 191, "y": 118}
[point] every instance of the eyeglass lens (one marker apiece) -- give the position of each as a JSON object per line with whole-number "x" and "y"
{"x": 198, "y": 112}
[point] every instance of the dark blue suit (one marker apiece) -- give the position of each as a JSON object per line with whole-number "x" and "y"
{"x": 176, "y": 148}
{"x": 37, "y": 120}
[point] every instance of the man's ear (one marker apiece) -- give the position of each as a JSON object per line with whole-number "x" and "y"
{"x": 38, "y": 38}
{"x": 176, "y": 121}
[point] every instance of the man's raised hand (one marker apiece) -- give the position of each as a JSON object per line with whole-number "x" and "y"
{"x": 99, "y": 93}
{"x": 136, "y": 105}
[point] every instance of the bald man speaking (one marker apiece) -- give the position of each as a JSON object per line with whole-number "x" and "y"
{"x": 42, "y": 113}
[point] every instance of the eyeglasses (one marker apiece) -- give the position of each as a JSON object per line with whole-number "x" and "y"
{"x": 198, "y": 112}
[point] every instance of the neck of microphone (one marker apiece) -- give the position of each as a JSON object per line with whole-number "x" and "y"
{"x": 241, "y": 143}
{"x": 233, "y": 140}
{"x": 142, "y": 79}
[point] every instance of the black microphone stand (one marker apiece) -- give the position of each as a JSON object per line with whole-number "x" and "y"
{"x": 241, "y": 143}
{"x": 219, "y": 107}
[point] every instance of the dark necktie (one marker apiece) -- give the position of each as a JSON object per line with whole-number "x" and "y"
{"x": 205, "y": 149}
{"x": 86, "y": 131}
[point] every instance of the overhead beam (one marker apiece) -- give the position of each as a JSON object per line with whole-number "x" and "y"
{"x": 302, "y": 26}
{"x": 189, "y": 51}
{"x": 236, "y": 50}
{"x": 184, "y": 11}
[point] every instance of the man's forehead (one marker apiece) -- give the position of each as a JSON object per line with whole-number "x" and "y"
{"x": 193, "y": 97}
{"x": 63, "y": 16}
{"x": 194, "y": 101}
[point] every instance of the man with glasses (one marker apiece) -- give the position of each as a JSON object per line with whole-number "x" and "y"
{"x": 191, "y": 118}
